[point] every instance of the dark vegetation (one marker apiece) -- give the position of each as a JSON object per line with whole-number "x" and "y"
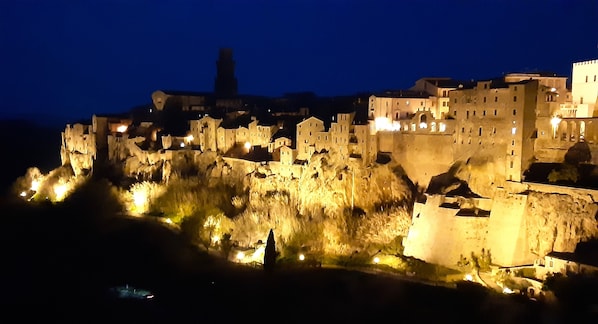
{"x": 60, "y": 260}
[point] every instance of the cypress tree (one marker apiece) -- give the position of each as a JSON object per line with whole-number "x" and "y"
{"x": 270, "y": 252}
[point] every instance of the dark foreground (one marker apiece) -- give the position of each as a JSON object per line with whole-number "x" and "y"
{"x": 58, "y": 268}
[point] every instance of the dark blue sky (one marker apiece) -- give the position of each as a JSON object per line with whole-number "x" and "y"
{"x": 68, "y": 59}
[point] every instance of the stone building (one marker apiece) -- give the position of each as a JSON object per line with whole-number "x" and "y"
{"x": 438, "y": 89}
{"x": 204, "y": 133}
{"x": 181, "y": 100}
{"x": 385, "y": 109}
{"x": 225, "y": 84}
{"x": 584, "y": 86}
{"x": 496, "y": 120}
{"x": 307, "y": 134}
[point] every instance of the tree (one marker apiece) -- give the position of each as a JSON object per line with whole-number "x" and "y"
{"x": 567, "y": 172}
{"x": 226, "y": 244}
{"x": 270, "y": 252}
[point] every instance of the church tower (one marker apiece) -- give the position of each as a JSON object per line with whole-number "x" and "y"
{"x": 225, "y": 85}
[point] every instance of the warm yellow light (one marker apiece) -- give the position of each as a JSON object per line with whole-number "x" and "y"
{"x": 121, "y": 128}
{"x": 215, "y": 238}
{"x": 182, "y": 144}
{"x": 169, "y": 221}
{"x": 34, "y": 185}
{"x": 468, "y": 277}
{"x": 383, "y": 123}
{"x": 376, "y": 260}
{"x": 423, "y": 125}
{"x": 247, "y": 145}
{"x": 507, "y": 290}
{"x": 240, "y": 256}
{"x": 555, "y": 121}
{"x": 23, "y": 194}
{"x": 189, "y": 138}
{"x": 442, "y": 127}
{"x": 140, "y": 199}
{"x": 60, "y": 191}
{"x": 301, "y": 257}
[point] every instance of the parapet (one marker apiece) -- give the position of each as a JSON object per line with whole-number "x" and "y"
{"x": 586, "y": 62}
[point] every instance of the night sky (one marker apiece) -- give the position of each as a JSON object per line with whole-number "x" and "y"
{"x": 68, "y": 59}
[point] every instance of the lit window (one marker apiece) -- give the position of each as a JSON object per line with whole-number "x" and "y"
{"x": 514, "y": 130}
{"x": 442, "y": 127}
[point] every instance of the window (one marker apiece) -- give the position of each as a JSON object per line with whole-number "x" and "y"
{"x": 474, "y": 112}
{"x": 493, "y": 130}
{"x": 513, "y": 142}
{"x": 463, "y": 130}
{"x": 467, "y": 114}
{"x": 512, "y": 152}
{"x": 484, "y": 99}
{"x": 455, "y": 113}
{"x": 495, "y": 99}
{"x": 586, "y": 78}
{"x": 455, "y": 100}
{"x": 514, "y": 112}
{"x": 480, "y": 131}
{"x": 514, "y": 98}
{"x": 495, "y": 112}
{"x": 515, "y": 88}
{"x": 514, "y": 130}
{"x": 511, "y": 164}
{"x": 581, "y": 100}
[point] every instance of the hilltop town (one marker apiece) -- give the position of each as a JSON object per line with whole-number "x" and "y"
{"x": 501, "y": 165}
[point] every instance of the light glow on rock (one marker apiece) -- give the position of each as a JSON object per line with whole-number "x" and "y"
{"x": 60, "y": 190}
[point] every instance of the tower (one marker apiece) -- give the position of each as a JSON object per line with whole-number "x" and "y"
{"x": 225, "y": 84}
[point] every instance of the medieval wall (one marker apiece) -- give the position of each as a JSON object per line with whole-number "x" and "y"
{"x": 507, "y": 231}
{"x": 438, "y": 236}
{"x": 422, "y": 156}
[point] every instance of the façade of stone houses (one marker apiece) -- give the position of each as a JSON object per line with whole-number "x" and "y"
{"x": 500, "y": 126}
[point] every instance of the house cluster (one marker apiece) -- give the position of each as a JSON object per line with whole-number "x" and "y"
{"x": 517, "y": 119}
{"x": 520, "y": 117}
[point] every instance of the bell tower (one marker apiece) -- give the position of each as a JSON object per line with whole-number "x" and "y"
{"x": 225, "y": 85}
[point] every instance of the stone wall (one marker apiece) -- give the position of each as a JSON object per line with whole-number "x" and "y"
{"x": 524, "y": 225}
{"x": 422, "y": 156}
{"x": 438, "y": 236}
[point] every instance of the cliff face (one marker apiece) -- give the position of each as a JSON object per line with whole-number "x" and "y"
{"x": 557, "y": 222}
{"x": 334, "y": 205}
